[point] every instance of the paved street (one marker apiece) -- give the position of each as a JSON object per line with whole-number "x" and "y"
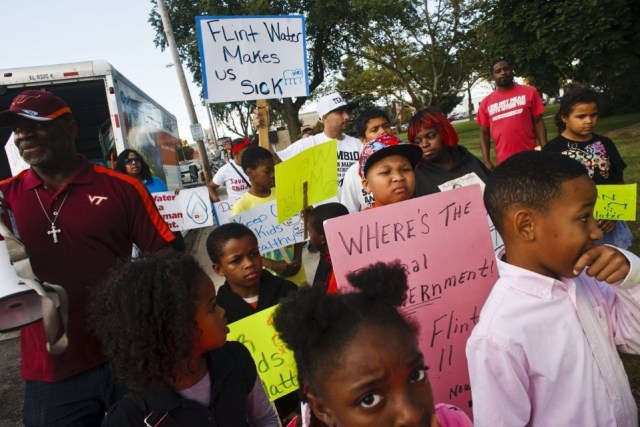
{"x": 11, "y": 386}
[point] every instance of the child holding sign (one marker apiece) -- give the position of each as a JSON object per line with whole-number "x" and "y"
{"x": 386, "y": 169}
{"x": 248, "y": 289}
{"x": 576, "y": 118}
{"x": 358, "y": 358}
{"x": 233, "y": 249}
{"x": 167, "y": 338}
{"x": 545, "y": 351}
{"x": 258, "y": 164}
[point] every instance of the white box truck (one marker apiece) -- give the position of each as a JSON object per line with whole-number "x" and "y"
{"x": 111, "y": 112}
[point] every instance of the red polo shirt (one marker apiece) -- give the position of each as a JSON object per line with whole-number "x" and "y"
{"x": 103, "y": 214}
{"x": 509, "y": 115}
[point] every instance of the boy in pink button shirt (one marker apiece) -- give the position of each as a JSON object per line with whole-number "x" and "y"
{"x": 545, "y": 352}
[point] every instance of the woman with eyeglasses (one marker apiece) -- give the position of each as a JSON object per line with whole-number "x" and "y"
{"x": 131, "y": 162}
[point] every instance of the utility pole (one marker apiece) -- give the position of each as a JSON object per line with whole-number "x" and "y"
{"x": 168, "y": 33}
{"x": 213, "y": 125}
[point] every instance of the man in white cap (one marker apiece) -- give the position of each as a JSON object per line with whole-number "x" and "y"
{"x": 332, "y": 110}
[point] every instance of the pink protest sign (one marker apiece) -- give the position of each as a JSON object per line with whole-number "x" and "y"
{"x": 444, "y": 244}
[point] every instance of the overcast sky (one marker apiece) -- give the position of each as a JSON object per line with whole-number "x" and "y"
{"x": 41, "y": 32}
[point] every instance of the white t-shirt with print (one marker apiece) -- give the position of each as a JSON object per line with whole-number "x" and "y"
{"x": 230, "y": 178}
{"x": 353, "y": 195}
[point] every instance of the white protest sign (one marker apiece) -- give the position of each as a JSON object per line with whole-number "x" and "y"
{"x": 463, "y": 181}
{"x": 444, "y": 245}
{"x": 263, "y": 221}
{"x": 472, "y": 179}
{"x": 189, "y": 209}
{"x": 245, "y": 58}
{"x": 222, "y": 210}
{"x": 16, "y": 162}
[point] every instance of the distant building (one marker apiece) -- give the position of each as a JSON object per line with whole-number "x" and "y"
{"x": 309, "y": 119}
{"x": 479, "y": 91}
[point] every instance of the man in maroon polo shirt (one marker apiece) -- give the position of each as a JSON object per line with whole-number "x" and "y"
{"x": 76, "y": 220}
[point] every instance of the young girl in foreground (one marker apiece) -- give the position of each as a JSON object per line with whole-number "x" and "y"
{"x": 358, "y": 358}
{"x": 167, "y": 339}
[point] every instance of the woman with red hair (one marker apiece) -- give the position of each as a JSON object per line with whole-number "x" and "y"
{"x": 445, "y": 164}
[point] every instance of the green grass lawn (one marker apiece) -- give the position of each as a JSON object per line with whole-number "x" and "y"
{"x": 624, "y": 131}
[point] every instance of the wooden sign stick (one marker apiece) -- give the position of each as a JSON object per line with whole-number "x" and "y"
{"x": 285, "y": 255}
{"x": 263, "y": 123}
{"x": 305, "y": 205}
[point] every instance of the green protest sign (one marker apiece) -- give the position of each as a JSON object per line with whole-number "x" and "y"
{"x": 616, "y": 202}
{"x": 275, "y": 363}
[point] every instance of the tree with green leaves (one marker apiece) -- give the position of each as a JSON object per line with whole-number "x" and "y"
{"x": 235, "y": 116}
{"x": 186, "y": 152}
{"x": 321, "y": 31}
{"x": 424, "y": 50}
{"x": 555, "y": 44}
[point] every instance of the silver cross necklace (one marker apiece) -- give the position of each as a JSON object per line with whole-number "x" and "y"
{"x": 54, "y": 231}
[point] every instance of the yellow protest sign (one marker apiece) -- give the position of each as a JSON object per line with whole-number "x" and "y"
{"x": 318, "y": 167}
{"x": 275, "y": 363}
{"x": 617, "y": 202}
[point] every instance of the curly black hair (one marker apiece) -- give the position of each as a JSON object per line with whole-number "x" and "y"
{"x": 221, "y": 235}
{"x": 532, "y": 179}
{"x": 318, "y": 327}
{"x": 252, "y": 156}
{"x": 120, "y": 165}
{"x": 363, "y": 120}
{"x": 569, "y": 100}
{"x": 144, "y": 313}
{"x": 320, "y": 213}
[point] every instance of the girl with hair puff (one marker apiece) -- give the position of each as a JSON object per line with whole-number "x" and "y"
{"x": 166, "y": 336}
{"x": 358, "y": 358}
{"x": 445, "y": 164}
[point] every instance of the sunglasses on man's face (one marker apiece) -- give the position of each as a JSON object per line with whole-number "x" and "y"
{"x": 130, "y": 160}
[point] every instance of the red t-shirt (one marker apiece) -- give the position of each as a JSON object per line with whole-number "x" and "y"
{"x": 509, "y": 116}
{"x": 104, "y": 213}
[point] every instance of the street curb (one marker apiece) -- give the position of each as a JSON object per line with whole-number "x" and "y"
{"x": 9, "y": 335}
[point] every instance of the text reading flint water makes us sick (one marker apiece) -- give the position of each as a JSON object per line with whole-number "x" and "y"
{"x": 244, "y": 45}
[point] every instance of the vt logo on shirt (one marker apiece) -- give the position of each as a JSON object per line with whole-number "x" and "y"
{"x": 96, "y": 200}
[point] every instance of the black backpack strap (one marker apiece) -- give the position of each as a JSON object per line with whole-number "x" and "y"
{"x": 238, "y": 172}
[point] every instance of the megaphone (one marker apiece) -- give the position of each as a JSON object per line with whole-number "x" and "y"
{"x": 19, "y": 304}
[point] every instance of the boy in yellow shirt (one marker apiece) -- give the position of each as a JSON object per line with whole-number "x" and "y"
{"x": 258, "y": 164}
